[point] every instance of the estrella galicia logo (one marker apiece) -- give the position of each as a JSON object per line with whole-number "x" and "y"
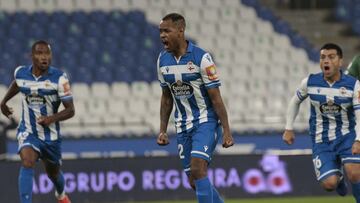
{"x": 34, "y": 100}
{"x": 330, "y": 108}
{"x": 182, "y": 90}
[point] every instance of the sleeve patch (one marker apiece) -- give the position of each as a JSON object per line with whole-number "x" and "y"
{"x": 211, "y": 72}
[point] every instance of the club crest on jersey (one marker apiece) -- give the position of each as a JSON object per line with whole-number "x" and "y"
{"x": 190, "y": 66}
{"x": 342, "y": 91}
{"x": 330, "y": 108}
{"x": 182, "y": 90}
{"x": 211, "y": 72}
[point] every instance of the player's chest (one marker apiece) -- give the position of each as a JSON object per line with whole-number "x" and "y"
{"x": 41, "y": 88}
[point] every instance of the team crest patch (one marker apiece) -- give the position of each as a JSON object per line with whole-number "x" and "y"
{"x": 211, "y": 72}
{"x": 190, "y": 66}
{"x": 342, "y": 91}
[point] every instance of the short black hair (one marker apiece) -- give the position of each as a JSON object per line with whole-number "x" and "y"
{"x": 178, "y": 19}
{"x": 40, "y": 42}
{"x": 328, "y": 46}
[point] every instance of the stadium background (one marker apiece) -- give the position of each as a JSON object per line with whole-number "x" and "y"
{"x": 263, "y": 48}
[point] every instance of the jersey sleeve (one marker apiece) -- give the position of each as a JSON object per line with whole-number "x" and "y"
{"x": 208, "y": 72}
{"x": 356, "y": 96}
{"x": 160, "y": 75}
{"x": 16, "y": 74}
{"x": 302, "y": 90}
{"x": 64, "y": 90}
{"x": 354, "y": 67}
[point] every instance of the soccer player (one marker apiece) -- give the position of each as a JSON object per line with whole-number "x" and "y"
{"x": 335, "y": 105}
{"x": 188, "y": 78}
{"x": 43, "y": 89}
{"x": 354, "y": 67}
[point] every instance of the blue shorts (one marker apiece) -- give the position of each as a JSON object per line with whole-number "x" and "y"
{"x": 328, "y": 158}
{"x": 49, "y": 151}
{"x": 199, "y": 142}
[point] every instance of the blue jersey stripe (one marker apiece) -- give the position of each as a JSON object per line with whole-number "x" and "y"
{"x": 33, "y": 121}
{"x": 46, "y": 129}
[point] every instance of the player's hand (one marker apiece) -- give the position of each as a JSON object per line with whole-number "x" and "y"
{"x": 356, "y": 148}
{"x": 6, "y": 110}
{"x": 163, "y": 139}
{"x": 228, "y": 140}
{"x": 44, "y": 120}
{"x": 289, "y": 137}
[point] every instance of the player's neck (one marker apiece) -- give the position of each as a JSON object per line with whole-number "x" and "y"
{"x": 181, "y": 49}
{"x": 37, "y": 71}
{"x": 333, "y": 78}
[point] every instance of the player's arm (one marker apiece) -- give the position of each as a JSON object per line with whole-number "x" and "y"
{"x": 12, "y": 91}
{"x": 64, "y": 93}
{"x": 166, "y": 106}
{"x": 292, "y": 111}
{"x": 219, "y": 107}
{"x": 66, "y": 113}
{"x": 354, "y": 67}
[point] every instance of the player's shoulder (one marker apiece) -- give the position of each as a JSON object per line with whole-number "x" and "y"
{"x": 56, "y": 71}
{"x": 349, "y": 78}
{"x": 21, "y": 70}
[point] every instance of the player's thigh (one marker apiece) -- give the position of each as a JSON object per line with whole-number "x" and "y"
{"x": 184, "y": 143}
{"x": 28, "y": 149}
{"x": 326, "y": 162}
{"x": 352, "y": 172}
{"x": 51, "y": 154}
{"x": 204, "y": 140}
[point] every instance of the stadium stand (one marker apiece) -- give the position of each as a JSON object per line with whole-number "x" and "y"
{"x": 109, "y": 50}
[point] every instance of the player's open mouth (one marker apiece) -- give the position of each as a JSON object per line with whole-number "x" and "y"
{"x": 166, "y": 44}
{"x": 326, "y": 67}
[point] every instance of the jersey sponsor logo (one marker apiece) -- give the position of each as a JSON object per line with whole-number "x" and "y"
{"x": 182, "y": 90}
{"x": 34, "y": 100}
{"x": 206, "y": 148}
{"x": 330, "y": 108}
{"x": 211, "y": 72}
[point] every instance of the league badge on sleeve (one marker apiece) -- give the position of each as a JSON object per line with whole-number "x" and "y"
{"x": 211, "y": 72}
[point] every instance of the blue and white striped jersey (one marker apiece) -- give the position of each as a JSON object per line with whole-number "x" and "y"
{"x": 41, "y": 96}
{"x": 332, "y": 106}
{"x": 188, "y": 79}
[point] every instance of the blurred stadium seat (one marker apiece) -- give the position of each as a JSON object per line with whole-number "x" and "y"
{"x": 109, "y": 50}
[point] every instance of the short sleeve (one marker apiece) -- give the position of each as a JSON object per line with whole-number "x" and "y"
{"x": 302, "y": 90}
{"x": 208, "y": 72}
{"x": 16, "y": 74}
{"x": 160, "y": 75}
{"x": 64, "y": 90}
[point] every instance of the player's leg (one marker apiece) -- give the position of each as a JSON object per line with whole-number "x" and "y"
{"x": 353, "y": 174}
{"x": 184, "y": 149}
{"x": 327, "y": 166}
{"x": 28, "y": 159}
{"x": 351, "y": 164}
{"x": 204, "y": 140}
{"x": 204, "y": 189}
{"x": 52, "y": 163}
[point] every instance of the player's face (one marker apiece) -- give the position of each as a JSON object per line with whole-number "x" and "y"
{"x": 170, "y": 35}
{"x": 330, "y": 62}
{"x": 41, "y": 56}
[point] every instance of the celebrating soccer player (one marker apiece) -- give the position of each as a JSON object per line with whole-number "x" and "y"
{"x": 188, "y": 78}
{"x": 43, "y": 88}
{"x": 335, "y": 105}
